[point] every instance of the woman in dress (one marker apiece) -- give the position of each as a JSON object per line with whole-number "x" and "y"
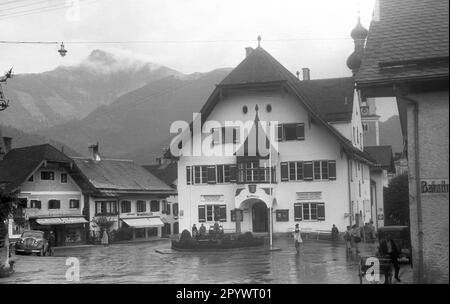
{"x": 105, "y": 238}
{"x": 297, "y": 238}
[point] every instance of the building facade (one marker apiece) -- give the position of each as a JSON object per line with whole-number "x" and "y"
{"x": 413, "y": 66}
{"x": 316, "y": 173}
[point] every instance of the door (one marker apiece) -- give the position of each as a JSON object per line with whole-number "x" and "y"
{"x": 260, "y": 219}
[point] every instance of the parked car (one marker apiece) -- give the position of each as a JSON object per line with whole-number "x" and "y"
{"x": 32, "y": 241}
{"x": 401, "y": 236}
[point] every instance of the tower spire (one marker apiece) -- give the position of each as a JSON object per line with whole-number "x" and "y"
{"x": 359, "y": 35}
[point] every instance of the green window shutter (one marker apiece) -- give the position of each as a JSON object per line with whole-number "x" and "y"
{"x": 223, "y": 213}
{"x": 307, "y": 171}
{"x": 211, "y": 174}
{"x": 201, "y": 214}
{"x": 321, "y": 211}
{"x": 297, "y": 211}
{"x": 188, "y": 174}
{"x": 301, "y": 131}
{"x": 332, "y": 170}
{"x": 284, "y": 172}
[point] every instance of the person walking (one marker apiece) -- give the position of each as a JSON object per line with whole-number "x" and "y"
{"x": 51, "y": 243}
{"x": 388, "y": 248}
{"x": 105, "y": 238}
{"x": 297, "y": 238}
{"x": 347, "y": 239}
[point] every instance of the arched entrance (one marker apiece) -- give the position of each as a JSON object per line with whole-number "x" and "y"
{"x": 260, "y": 219}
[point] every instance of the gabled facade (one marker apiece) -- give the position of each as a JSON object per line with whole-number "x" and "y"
{"x": 316, "y": 173}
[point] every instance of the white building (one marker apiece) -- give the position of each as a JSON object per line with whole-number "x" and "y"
{"x": 320, "y": 174}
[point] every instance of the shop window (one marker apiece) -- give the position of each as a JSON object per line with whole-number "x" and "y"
{"x": 47, "y": 175}
{"x": 74, "y": 204}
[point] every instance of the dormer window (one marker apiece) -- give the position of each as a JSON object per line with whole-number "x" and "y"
{"x": 64, "y": 178}
{"x": 47, "y": 175}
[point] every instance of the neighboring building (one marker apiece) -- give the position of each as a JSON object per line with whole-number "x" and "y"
{"x": 384, "y": 165}
{"x": 51, "y": 199}
{"x": 123, "y": 193}
{"x": 407, "y": 56}
{"x": 166, "y": 170}
{"x": 401, "y": 164}
{"x": 370, "y": 123}
{"x": 320, "y": 174}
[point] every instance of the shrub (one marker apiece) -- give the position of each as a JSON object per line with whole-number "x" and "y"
{"x": 185, "y": 235}
{"x": 246, "y": 237}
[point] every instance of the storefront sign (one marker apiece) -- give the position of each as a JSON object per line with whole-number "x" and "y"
{"x": 212, "y": 198}
{"x": 135, "y": 214}
{"x": 431, "y": 186}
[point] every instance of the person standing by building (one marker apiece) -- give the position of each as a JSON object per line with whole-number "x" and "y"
{"x": 51, "y": 243}
{"x": 334, "y": 233}
{"x": 194, "y": 231}
{"x": 388, "y": 248}
{"x": 202, "y": 231}
{"x": 355, "y": 238}
{"x": 297, "y": 238}
{"x": 347, "y": 239}
{"x": 105, "y": 238}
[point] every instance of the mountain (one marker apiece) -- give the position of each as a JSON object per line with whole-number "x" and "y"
{"x": 21, "y": 139}
{"x": 136, "y": 125}
{"x": 391, "y": 133}
{"x": 67, "y": 92}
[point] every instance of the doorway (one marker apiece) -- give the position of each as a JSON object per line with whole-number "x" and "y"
{"x": 260, "y": 219}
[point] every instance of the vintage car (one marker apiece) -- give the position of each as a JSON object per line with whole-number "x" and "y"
{"x": 32, "y": 241}
{"x": 401, "y": 236}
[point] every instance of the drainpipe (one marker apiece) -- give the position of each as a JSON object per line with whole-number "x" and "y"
{"x": 349, "y": 171}
{"x": 417, "y": 181}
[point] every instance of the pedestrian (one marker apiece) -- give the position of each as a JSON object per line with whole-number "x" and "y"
{"x": 51, "y": 243}
{"x": 388, "y": 248}
{"x": 297, "y": 238}
{"x": 194, "y": 232}
{"x": 355, "y": 238}
{"x": 334, "y": 233}
{"x": 202, "y": 231}
{"x": 105, "y": 238}
{"x": 347, "y": 239}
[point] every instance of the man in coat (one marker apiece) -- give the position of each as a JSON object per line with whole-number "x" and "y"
{"x": 388, "y": 248}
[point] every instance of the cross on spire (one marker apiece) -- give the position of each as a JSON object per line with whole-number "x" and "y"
{"x": 259, "y": 41}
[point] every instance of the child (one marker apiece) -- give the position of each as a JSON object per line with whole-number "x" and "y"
{"x": 297, "y": 238}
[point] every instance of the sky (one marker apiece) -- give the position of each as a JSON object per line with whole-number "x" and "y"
{"x": 186, "y": 35}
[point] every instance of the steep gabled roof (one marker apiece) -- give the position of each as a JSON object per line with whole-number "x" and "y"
{"x": 120, "y": 176}
{"x": 409, "y": 41}
{"x": 382, "y": 155}
{"x": 168, "y": 173}
{"x": 19, "y": 163}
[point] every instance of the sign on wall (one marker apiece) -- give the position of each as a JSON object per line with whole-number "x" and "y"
{"x": 212, "y": 198}
{"x": 433, "y": 186}
{"x": 307, "y": 196}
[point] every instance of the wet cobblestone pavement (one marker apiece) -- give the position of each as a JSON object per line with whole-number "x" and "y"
{"x": 319, "y": 262}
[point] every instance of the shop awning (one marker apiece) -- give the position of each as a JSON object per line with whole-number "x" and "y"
{"x": 145, "y": 222}
{"x": 61, "y": 220}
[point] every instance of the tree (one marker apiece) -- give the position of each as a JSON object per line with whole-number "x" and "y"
{"x": 396, "y": 201}
{"x": 8, "y": 204}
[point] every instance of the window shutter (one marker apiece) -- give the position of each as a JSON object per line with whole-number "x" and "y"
{"x": 235, "y": 136}
{"x": 308, "y": 171}
{"x": 298, "y": 212}
{"x": 223, "y": 213}
{"x": 279, "y": 135}
{"x": 300, "y": 131}
{"x": 188, "y": 174}
{"x": 201, "y": 214}
{"x": 233, "y": 173}
{"x": 321, "y": 212}
{"x": 332, "y": 170}
{"x": 211, "y": 174}
{"x": 284, "y": 172}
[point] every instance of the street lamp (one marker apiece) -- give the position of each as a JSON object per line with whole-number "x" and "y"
{"x": 62, "y": 51}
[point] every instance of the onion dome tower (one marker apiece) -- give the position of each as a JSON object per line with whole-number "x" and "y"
{"x": 359, "y": 35}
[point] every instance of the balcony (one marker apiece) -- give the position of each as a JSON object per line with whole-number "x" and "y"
{"x": 258, "y": 175}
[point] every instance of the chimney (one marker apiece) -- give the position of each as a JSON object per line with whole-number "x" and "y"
{"x": 7, "y": 142}
{"x": 248, "y": 51}
{"x": 306, "y": 74}
{"x": 93, "y": 151}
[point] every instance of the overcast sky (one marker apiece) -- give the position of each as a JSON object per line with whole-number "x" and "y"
{"x": 186, "y": 35}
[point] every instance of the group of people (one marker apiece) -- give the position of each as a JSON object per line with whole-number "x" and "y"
{"x": 198, "y": 233}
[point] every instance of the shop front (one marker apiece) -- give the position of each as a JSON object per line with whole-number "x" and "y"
{"x": 144, "y": 227}
{"x": 67, "y": 230}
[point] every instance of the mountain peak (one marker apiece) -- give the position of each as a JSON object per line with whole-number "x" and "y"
{"x": 100, "y": 56}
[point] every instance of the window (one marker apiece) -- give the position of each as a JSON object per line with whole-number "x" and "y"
{"x": 282, "y": 215}
{"x": 154, "y": 206}
{"x": 311, "y": 170}
{"x": 35, "y": 204}
{"x": 168, "y": 208}
{"x": 223, "y": 174}
{"x": 292, "y": 172}
{"x": 64, "y": 178}
{"x": 105, "y": 208}
{"x": 47, "y": 175}
{"x": 228, "y": 135}
{"x": 175, "y": 209}
{"x": 163, "y": 206}
{"x": 291, "y": 131}
{"x": 141, "y": 206}
{"x": 54, "y": 204}
{"x": 200, "y": 174}
{"x": 212, "y": 175}
{"x": 365, "y": 127}
{"x": 209, "y": 213}
{"x": 308, "y": 171}
{"x": 332, "y": 170}
{"x": 31, "y": 178}
{"x": 125, "y": 206}
{"x": 299, "y": 170}
{"x": 74, "y": 204}
{"x": 310, "y": 211}
{"x": 188, "y": 175}
{"x": 317, "y": 174}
